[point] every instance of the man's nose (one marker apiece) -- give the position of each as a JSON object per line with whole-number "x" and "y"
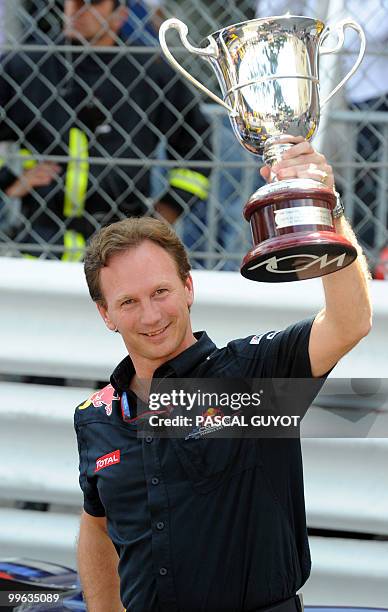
{"x": 150, "y": 314}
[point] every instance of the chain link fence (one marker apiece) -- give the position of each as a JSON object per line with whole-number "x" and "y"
{"x": 92, "y": 132}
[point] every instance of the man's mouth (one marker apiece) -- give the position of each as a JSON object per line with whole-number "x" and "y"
{"x": 157, "y": 332}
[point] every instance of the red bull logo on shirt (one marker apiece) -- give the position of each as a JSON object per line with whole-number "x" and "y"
{"x": 103, "y": 398}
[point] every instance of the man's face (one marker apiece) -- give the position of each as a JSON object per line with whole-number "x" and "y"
{"x": 89, "y": 22}
{"x": 147, "y": 301}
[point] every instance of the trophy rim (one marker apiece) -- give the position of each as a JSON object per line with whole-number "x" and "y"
{"x": 285, "y": 16}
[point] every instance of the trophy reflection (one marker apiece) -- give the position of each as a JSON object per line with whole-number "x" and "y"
{"x": 267, "y": 70}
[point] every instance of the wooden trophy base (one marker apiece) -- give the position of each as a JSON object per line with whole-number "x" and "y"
{"x": 293, "y": 232}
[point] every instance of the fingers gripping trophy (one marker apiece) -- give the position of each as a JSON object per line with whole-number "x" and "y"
{"x": 268, "y": 73}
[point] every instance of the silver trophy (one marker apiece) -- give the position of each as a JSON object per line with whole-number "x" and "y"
{"x": 268, "y": 73}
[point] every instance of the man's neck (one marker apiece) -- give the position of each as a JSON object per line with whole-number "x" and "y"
{"x": 141, "y": 387}
{"x": 145, "y": 368}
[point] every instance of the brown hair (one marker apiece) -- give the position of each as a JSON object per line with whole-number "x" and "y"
{"x": 128, "y": 234}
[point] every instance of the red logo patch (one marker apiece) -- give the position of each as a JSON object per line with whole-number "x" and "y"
{"x": 103, "y": 398}
{"x": 107, "y": 460}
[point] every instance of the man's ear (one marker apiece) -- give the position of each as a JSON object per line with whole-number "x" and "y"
{"x": 104, "y": 315}
{"x": 189, "y": 287}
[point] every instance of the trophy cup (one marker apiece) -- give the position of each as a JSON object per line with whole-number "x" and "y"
{"x": 268, "y": 73}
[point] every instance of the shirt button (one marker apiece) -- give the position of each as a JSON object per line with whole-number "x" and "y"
{"x": 163, "y": 571}
{"x": 149, "y": 439}
{"x": 160, "y": 525}
{"x": 155, "y": 480}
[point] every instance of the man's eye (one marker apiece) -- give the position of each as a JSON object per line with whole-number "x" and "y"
{"x": 160, "y": 291}
{"x": 126, "y": 302}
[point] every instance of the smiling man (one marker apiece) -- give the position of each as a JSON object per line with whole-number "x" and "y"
{"x": 151, "y": 311}
{"x": 197, "y": 525}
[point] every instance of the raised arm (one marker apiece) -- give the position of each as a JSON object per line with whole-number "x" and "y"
{"x": 346, "y": 317}
{"x": 97, "y": 565}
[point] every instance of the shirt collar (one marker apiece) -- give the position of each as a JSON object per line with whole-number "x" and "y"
{"x": 177, "y": 367}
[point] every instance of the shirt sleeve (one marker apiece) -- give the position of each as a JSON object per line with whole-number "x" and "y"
{"x": 287, "y": 353}
{"x": 280, "y": 354}
{"x": 92, "y": 502}
{"x": 7, "y": 178}
{"x": 287, "y": 364}
{"x": 280, "y": 359}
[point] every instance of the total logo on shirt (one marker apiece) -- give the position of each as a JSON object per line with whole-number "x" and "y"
{"x": 107, "y": 460}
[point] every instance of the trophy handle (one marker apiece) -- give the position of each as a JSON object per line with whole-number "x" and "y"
{"x": 210, "y": 51}
{"x": 339, "y": 28}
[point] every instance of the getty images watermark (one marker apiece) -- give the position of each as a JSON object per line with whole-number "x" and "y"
{"x": 199, "y": 408}
{"x": 195, "y": 408}
{"x": 213, "y": 418}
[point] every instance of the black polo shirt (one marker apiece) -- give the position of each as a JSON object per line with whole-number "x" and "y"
{"x": 200, "y": 525}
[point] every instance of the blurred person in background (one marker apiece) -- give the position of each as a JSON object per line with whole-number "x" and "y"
{"x": 367, "y": 90}
{"x": 87, "y": 105}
